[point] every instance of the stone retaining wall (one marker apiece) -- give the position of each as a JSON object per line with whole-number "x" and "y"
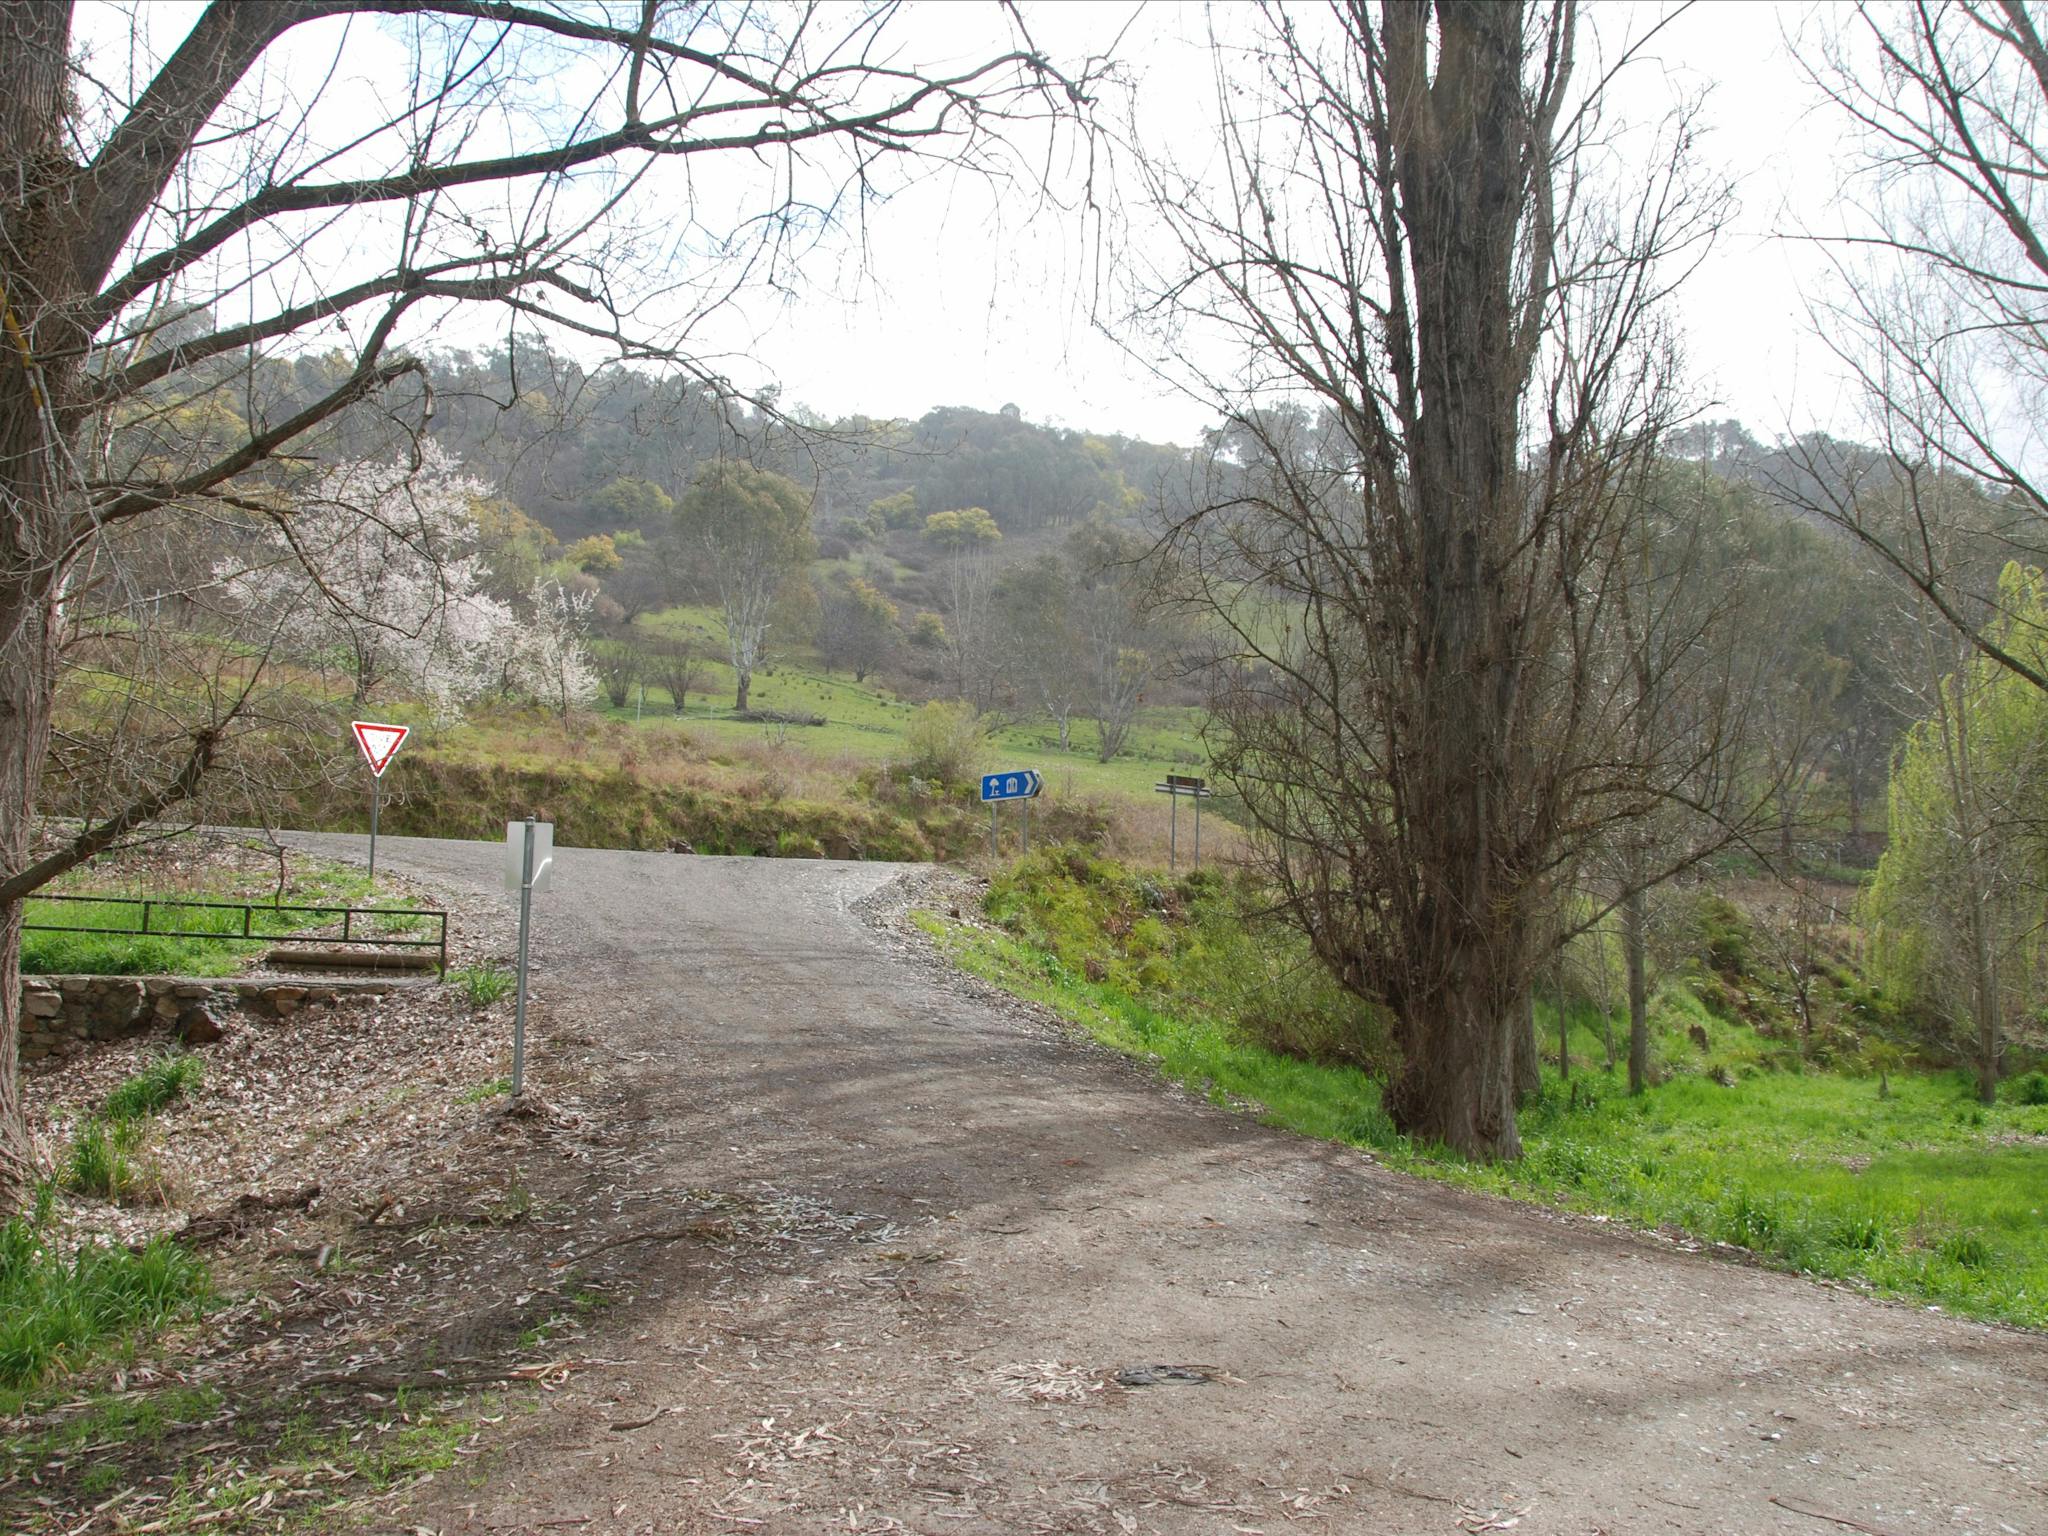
{"x": 61, "y": 1014}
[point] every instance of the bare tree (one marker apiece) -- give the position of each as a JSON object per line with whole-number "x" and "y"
{"x": 619, "y": 665}
{"x": 1114, "y": 627}
{"x": 1939, "y": 313}
{"x": 1404, "y": 237}
{"x": 679, "y": 667}
{"x": 156, "y": 242}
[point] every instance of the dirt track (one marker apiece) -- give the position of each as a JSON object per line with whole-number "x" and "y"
{"x": 912, "y": 1230}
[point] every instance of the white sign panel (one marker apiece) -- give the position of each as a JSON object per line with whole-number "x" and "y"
{"x": 543, "y": 853}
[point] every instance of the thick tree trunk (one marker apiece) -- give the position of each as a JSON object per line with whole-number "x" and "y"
{"x": 1459, "y": 1092}
{"x": 35, "y": 224}
{"x": 746, "y": 686}
{"x": 1634, "y": 944}
{"x": 1458, "y": 144}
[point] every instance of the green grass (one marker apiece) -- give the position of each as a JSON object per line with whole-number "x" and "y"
{"x": 129, "y": 952}
{"x": 1923, "y": 1194}
{"x": 482, "y": 985}
{"x": 98, "y": 1164}
{"x": 138, "y": 1419}
{"x": 167, "y": 1078}
{"x": 263, "y": 1483}
{"x": 864, "y": 720}
{"x": 57, "y": 1308}
{"x": 102, "y": 1160}
{"x": 489, "y": 1088}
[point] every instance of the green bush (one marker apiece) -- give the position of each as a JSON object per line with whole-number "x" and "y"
{"x": 168, "y": 1077}
{"x": 1724, "y": 934}
{"x": 53, "y": 1308}
{"x": 2031, "y": 1089}
{"x": 945, "y": 741}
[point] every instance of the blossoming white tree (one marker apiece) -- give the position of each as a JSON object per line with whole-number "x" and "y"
{"x": 377, "y": 570}
{"x": 544, "y": 656}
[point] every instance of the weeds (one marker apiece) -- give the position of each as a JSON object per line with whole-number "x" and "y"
{"x": 98, "y": 1165}
{"x": 55, "y": 1309}
{"x": 482, "y": 985}
{"x": 165, "y": 1079}
{"x": 489, "y": 1088}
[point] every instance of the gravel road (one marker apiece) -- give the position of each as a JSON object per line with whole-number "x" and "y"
{"x": 901, "y": 1234}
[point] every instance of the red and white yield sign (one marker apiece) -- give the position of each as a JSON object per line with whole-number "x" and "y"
{"x": 380, "y": 743}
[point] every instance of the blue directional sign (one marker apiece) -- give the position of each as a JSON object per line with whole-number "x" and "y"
{"x": 1023, "y": 784}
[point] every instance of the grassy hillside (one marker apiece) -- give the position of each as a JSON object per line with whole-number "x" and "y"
{"x": 1897, "y": 1182}
{"x": 645, "y": 777}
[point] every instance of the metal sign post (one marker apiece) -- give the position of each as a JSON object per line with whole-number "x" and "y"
{"x": 1178, "y": 785}
{"x": 530, "y": 856}
{"x": 379, "y": 744}
{"x": 1022, "y": 784}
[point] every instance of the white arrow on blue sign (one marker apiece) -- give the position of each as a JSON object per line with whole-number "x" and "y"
{"x": 1023, "y": 784}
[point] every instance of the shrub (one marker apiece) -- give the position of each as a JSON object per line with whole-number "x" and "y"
{"x": 1724, "y": 935}
{"x": 945, "y": 741}
{"x": 168, "y": 1077}
{"x": 2031, "y": 1089}
{"x": 928, "y": 632}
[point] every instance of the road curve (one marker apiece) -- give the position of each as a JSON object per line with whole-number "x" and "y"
{"x": 947, "y": 1225}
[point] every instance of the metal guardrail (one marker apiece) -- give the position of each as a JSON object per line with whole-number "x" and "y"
{"x": 154, "y": 905}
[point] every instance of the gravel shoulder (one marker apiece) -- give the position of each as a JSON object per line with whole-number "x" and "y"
{"x": 883, "y": 1240}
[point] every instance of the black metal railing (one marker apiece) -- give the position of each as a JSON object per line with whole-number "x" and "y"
{"x": 250, "y": 932}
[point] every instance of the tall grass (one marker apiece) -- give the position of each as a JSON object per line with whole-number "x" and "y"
{"x": 56, "y": 1308}
{"x": 165, "y": 1079}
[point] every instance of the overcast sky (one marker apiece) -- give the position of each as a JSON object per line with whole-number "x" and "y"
{"x": 960, "y": 296}
{"x": 954, "y": 314}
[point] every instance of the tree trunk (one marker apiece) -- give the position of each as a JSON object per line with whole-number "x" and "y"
{"x": 1634, "y": 942}
{"x": 33, "y": 506}
{"x": 1606, "y": 999}
{"x": 746, "y": 686}
{"x": 1457, "y": 1088}
{"x": 1985, "y": 986}
{"x": 1528, "y": 1059}
{"x": 1564, "y": 1030}
{"x": 1456, "y": 143}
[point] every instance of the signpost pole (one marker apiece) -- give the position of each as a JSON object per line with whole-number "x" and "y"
{"x": 1027, "y": 827}
{"x": 1172, "y": 832}
{"x": 1198, "y": 834}
{"x": 376, "y": 803}
{"x": 992, "y": 829}
{"x": 525, "y": 923}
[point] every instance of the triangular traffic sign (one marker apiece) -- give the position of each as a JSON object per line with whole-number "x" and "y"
{"x": 380, "y": 743}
